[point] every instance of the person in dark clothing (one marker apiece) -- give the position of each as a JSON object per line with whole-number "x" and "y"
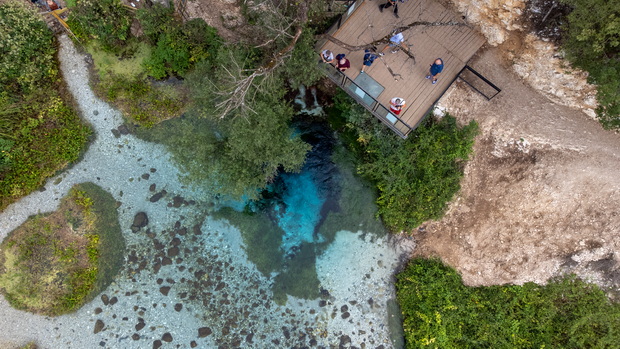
{"x": 389, "y": 4}
{"x": 343, "y": 63}
{"x": 369, "y": 58}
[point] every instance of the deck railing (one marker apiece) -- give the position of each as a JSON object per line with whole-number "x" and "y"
{"x": 377, "y": 109}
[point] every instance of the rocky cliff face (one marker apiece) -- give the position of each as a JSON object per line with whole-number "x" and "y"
{"x": 537, "y": 61}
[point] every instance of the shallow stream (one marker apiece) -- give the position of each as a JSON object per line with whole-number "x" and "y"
{"x": 307, "y": 266}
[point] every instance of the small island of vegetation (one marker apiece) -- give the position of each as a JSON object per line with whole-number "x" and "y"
{"x": 54, "y": 263}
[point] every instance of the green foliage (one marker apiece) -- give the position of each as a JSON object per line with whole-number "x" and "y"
{"x": 39, "y": 132}
{"x": 177, "y": 46}
{"x": 415, "y": 177}
{"x": 440, "y": 312}
{"x": 106, "y": 21}
{"x": 300, "y": 68}
{"x": 592, "y": 43}
{"x": 51, "y": 266}
{"x": 240, "y": 153}
{"x": 5, "y": 153}
{"x": 26, "y": 50}
{"x": 45, "y": 144}
{"x": 140, "y": 100}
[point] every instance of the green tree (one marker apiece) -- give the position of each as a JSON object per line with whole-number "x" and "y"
{"x": 592, "y": 43}
{"x": 106, "y": 21}
{"x": 177, "y": 45}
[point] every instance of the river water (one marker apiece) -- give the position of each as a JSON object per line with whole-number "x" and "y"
{"x": 307, "y": 266}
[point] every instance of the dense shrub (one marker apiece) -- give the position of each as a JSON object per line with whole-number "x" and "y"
{"x": 106, "y": 21}
{"x": 440, "y": 312}
{"x": 39, "y": 133}
{"x": 415, "y": 177}
{"x": 592, "y": 43}
{"x": 26, "y": 50}
{"x": 177, "y": 45}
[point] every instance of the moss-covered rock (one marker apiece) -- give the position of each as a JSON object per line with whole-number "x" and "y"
{"x": 54, "y": 263}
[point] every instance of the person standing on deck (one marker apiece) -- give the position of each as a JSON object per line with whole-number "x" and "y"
{"x": 369, "y": 58}
{"x": 343, "y": 63}
{"x": 389, "y": 4}
{"x": 397, "y": 105}
{"x": 436, "y": 69}
{"x": 395, "y": 41}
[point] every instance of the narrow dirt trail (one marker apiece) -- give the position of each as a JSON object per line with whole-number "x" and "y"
{"x": 541, "y": 195}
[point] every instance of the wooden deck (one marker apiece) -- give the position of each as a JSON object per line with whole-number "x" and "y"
{"x": 454, "y": 44}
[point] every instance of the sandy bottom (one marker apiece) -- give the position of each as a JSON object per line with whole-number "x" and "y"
{"x": 187, "y": 281}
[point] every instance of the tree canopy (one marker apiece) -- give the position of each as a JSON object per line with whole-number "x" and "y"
{"x": 592, "y": 43}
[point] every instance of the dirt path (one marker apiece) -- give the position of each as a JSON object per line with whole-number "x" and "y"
{"x": 541, "y": 195}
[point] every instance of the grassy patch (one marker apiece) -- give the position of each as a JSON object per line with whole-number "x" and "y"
{"x": 52, "y": 264}
{"x": 142, "y": 101}
{"x": 440, "y": 312}
{"x": 109, "y": 63}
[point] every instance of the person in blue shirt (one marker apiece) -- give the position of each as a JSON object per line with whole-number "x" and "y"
{"x": 369, "y": 58}
{"x": 436, "y": 69}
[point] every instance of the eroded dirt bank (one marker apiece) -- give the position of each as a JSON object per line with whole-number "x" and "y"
{"x": 541, "y": 195}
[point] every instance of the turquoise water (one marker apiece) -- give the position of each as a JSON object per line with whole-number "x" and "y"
{"x": 309, "y": 266}
{"x": 300, "y": 211}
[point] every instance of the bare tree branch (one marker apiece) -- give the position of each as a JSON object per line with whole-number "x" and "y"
{"x": 236, "y": 97}
{"x": 386, "y": 39}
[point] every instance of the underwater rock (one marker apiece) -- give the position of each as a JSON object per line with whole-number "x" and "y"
{"x": 173, "y": 252}
{"x": 345, "y": 315}
{"x": 164, "y": 290}
{"x": 99, "y": 325}
{"x": 123, "y": 129}
{"x": 193, "y": 344}
{"x": 197, "y": 230}
{"x": 145, "y": 176}
{"x": 177, "y": 201}
{"x": 152, "y": 187}
{"x": 344, "y": 308}
{"x": 105, "y": 299}
{"x": 204, "y": 331}
{"x": 135, "y": 336}
{"x": 157, "y": 196}
{"x": 157, "y": 344}
{"x": 344, "y": 340}
{"x": 98, "y": 311}
{"x": 113, "y": 300}
{"x": 140, "y": 220}
{"x": 178, "y": 307}
{"x": 140, "y": 325}
{"x": 116, "y": 133}
{"x": 167, "y": 337}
